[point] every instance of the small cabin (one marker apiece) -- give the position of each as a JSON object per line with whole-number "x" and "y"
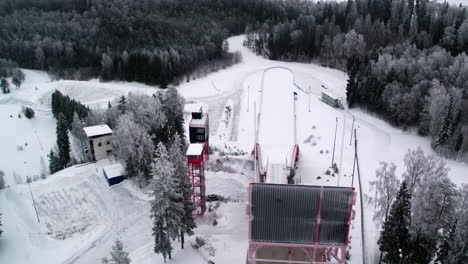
{"x": 332, "y": 101}
{"x": 99, "y": 141}
{"x": 113, "y": 173}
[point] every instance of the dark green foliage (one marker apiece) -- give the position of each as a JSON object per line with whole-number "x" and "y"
{"x": 62, "y": 141}
{"x": 29, "y": 112}
{"x": 54, "y": 163}
{"x": 121, "y": 105}
{"x": 162, "y": 243}
{"x": 395, "y": 239}
{"x": 5, "y": 86}
{"x": 152, "y": 41}
{"x": 64, "y": 105}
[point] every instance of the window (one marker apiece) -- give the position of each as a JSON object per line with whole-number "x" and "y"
{"x": 108, "y": 142}
{"x": 109, "y": 151}
{"x": 99, "y": 144}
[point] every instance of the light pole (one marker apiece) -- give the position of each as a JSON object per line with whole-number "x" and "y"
{"x": 334, "y": 143}
{"x": 28, "y": 179}
{"x": 248, "y": 98}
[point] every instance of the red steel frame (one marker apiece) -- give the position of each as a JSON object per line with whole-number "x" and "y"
{"x": 196, "y": 172}
{"x": 338, "y": 252}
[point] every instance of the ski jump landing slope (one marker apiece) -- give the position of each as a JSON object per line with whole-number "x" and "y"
{"x": 276, "y": 124}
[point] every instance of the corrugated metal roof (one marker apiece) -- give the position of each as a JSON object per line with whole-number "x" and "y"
{"x": 288, "y": 214}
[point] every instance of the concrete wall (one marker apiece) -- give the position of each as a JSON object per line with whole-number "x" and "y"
{"x": 101, "y": 152}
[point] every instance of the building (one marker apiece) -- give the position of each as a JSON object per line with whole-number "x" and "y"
{"x": 196, "y": 172}
{"x": 99, "y": 141}
{"x": 113, "y": 173}
{"x": 199, "y": 131}
{"x": 298, "y": 223}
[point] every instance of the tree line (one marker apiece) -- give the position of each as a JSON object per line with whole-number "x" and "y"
{"x": 424, "y": 217}
{"x": 405, "y": 58}
{"x": 151, "y": 41}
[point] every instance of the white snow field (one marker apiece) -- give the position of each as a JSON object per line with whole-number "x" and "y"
{"x": 276, "y": 136}
{"x": 80, "y": 216}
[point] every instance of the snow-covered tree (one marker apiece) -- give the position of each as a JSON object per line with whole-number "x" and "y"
{"x": 118, "y": 255}
{"x": 134, "y": 145}
{"x": 62, "y": 141}
{"x": 394, "y": 239}
{"x": 167, "y": 208}
{"x": 121, "y": 106}
{"x": 454, "y": 248}
{"x": 54, "y": 162}
{"x": 147, "y": 112}
{"x": 177, "y": 157}
{"x": 173, "y": 106}
{"x": 384, "y": 190}
{"x": 434, "y": 204}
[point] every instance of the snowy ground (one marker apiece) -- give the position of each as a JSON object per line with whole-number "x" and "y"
{"x": 81, "y": 216}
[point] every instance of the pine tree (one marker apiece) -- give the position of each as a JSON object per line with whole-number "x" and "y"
{"x": 394, "y": 239}
{"x": 62, "y": 141}
{"x": 122, "y": 105}
{"x": 5, "y": 86}
{"x": 118, "y": 255}
{"x": 173, "y": 107}
{"x": 178, "y": 159}
{"x": 167, "y": 208}
{"x": 444, "y": 133}
{"x": 54, "y": 162}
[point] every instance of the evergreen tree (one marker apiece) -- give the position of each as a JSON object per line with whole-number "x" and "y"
{"x": 62, "y": 141}
{"x": 16, "y": 82}
{"x": 167, "y": 208}
{"x": 444, "y": 133}
{"x": 5, "y": 86}
{"x": 121, "y": 106}
{"x": 179, "y": 160}
{"x": 54, "y": 162}
{"x": 118, "y": 255}
{"x": 173, "y": 107}
{"x": 394, "y": 239}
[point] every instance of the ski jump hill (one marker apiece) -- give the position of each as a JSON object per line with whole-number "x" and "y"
{"x": 276, "y": 149}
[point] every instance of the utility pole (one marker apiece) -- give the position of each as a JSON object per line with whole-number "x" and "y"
{"x": 310, "y": 91}
{"x": 364, "y": 261}
{"x": 334, "y": 143}
{"x": 342, "y": 148}
{"x": 352, "y": 130}
{"x": 28, "y": 179}
{"x": 248, "y": 98}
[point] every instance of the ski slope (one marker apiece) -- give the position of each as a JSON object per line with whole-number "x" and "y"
{"x": 276, "y": 136}
{"x": 81, "y": 216}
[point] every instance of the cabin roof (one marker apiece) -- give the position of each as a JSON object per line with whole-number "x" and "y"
{"x": 100, "y": 130}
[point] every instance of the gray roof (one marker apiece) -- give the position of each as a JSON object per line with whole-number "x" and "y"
{"x": 288, "y": 213}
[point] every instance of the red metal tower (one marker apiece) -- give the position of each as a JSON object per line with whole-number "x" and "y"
{"x": 197, "y": 154}
{"x": 196, "y": 172}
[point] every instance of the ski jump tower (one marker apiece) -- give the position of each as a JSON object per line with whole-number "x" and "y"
{"x": 197, "y": 154}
